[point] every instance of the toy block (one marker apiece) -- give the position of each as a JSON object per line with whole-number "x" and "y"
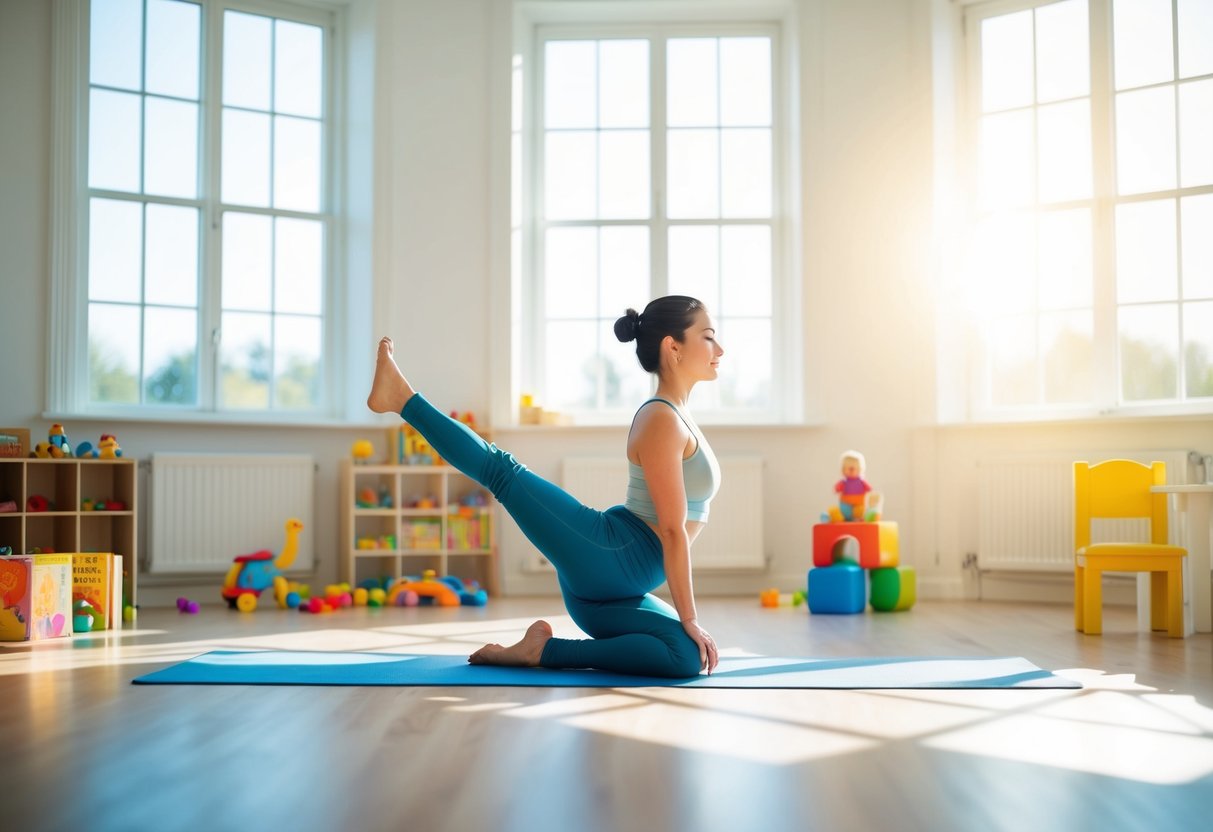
{"x": 837, "y": 589}
{"x": 878, "y": 543}
{"x": 894, "y": 588}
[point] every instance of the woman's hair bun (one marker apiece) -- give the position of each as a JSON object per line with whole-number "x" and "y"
{"x": 625, "y": 327}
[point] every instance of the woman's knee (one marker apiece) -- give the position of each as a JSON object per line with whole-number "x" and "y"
{"x": 684, "y": 658}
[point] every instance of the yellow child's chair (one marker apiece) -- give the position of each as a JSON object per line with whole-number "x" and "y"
{"x": 1120, "y": 488}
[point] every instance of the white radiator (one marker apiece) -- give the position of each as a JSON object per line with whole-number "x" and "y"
{"x": 1025, "y": 512}
{"x": 732, "y": 539}
{"x": 208, "y": 508}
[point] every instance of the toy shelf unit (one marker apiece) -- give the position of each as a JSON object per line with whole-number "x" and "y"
{"x": 71, "y": 505}
{"x": 404, "y": 519}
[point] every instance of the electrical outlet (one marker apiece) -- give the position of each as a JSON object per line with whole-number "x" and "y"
{"x": 539, "y": 564}
{"x": 970, "y": 561}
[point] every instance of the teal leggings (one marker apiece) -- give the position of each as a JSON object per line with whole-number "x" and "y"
{"x": 608, "y": 562}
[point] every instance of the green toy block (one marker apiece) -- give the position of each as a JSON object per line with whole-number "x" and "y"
{"x": 893, "y": 588}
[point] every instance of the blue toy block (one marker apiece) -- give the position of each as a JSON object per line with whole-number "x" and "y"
{"x": 838, "y": 589}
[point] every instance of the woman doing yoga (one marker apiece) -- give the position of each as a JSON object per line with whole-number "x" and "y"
{"x": 608, "y": 562}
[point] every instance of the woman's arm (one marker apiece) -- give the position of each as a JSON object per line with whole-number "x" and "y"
{"x": 659, "y": 444}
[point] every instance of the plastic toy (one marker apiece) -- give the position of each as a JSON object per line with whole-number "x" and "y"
{"x": 769, "y": 598}
{"x": 85, "y": 450}
{"x": 108, "y": 447}
{"x": 41, "y": 451}
{"x": 447, "y": 591}
{"x": 187, "y": 606}
{"x": 362, "y": 451}
{"x": 37, "y": 502}
{"x": 837, "y": 589}
{"x": 855, "y": 500}
{"x": 252, "y": 573}
{"x": 59, "y": 446}
{"x": 878, "y": 543}
{"x": 894, "y": 588}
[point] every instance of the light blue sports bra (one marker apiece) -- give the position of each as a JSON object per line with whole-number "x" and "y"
{"x": 700, "y": 478}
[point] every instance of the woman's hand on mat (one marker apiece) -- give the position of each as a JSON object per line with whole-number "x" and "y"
{"x": 708, "y": 654}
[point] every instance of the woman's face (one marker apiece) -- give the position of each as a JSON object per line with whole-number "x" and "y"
{"x": 700, "y": 350}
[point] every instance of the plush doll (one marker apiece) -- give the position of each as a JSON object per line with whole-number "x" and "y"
{"x": 853, "y": 492}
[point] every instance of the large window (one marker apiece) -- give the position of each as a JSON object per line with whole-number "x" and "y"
{"x": 1091, "y": 264}
{"x": 656, "y": 172}
{"x": 206, "y": 272}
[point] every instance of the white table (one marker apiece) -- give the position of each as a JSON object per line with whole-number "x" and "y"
{"x": 1194, "y": 503}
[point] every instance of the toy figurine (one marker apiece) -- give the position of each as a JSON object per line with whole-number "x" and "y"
{"x": 854, "y": 493}
{"x": 108, "y": 447}
{"x": 59, "y": 448}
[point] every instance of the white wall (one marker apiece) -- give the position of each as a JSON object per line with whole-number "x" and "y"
{"x": 867, "y": 164}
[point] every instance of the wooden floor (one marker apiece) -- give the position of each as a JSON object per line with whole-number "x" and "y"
{"x": 84, "y": 749}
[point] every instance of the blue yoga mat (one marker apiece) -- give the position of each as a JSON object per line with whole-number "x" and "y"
{"x": 289, "y": 667}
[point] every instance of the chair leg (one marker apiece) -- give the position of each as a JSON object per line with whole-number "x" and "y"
{"x": 1092, "y": 602}
{"x": 1175, "y": 601}
{"x": 1159, "y": 602}
{"x": 1078, "y": 597}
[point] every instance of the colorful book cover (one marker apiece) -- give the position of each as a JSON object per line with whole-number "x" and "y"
{"x": 35, "y": 597}
{"x": 93, "y": 581}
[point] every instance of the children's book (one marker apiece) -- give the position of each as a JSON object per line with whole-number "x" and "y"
{"x": 95, "y": 578}
{"x": 35, "y": 597}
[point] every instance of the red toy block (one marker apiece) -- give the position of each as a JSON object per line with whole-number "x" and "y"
{"x": 877, "y": 543}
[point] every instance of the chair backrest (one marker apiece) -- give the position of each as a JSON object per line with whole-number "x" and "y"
{"x": 1119, "y": 488}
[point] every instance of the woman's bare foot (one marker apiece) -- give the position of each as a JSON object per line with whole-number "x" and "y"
{"x": 525, "y": 653}
{"x": 389, "y": 390}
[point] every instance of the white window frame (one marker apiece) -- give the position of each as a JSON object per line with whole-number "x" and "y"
{"x": 1106, "y": 372}
{"x": 345, "y": 273}
{"x": 536, "y": 21}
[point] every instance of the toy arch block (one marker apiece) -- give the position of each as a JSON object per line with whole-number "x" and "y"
{"x": 893, "y": 588}
{"x": 878, "y": 543}
{"x": 839, "y": 589}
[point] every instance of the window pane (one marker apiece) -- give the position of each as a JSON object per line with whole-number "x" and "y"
{"x": 570, "y": 191}
{"x": 1006, "y": 61}
{"x": 1145, "y": 252}
{"x": 624, "y": 383}
{"x": 246, "y": 60}
{"x": 113, "y": 353}
{"x": 745, "y": 82}
{"x": 172, "y": 48}
{"x": 298, "y": 266}
{"x": 624, "y": 258}
{"x": 1198, "y": 349}
{"x": 1064, "y": 271}
{"x": 623, "y": 83}
{"x": 694, "y": 174}
{"x": 1062, "y": 51}
{"x": 1196, "y": 134}
{"x": 244, "y": 361}
{"x": 115, "y": 35}
{"x": 1007, "y": 159}
{"x": 691, "y": 83}
{"x": 1002, "y": 265}
{"x": 115, "y": 240}
{"x": 297, "y": 350}
{"x": 246, "y": 158}
{"x": 1012, "y": 345}
{"x": 1149, "y": 352}
{"x": 1196, "y": 218}
{"x": 1145, "y": 140}
{"x": 247, "y": 255}
{"x": 170, "y": 164}
{"x": 172, "y": 255}
{"x": 573, "y": 365}
{"x": 569, "y": 80}
{"x": 170, "y": 338}
{"x": 745, "y": 367}
{"x": 1195, "y": 38}
{"x": 296, "y": 164}
{"x": 298, "y": 68}
{"x": 1068, "y": 356}
{"x": 624, "y": 175}
{"x": 571, "y": 273}
{"x": 745, "y": 172}
{"x": 1142, "y": 42}
{"x": 745, "y": 270}
{"x": 1064, "y": 169}
{"x": 114, "y": 128}
{"x": 694, "y": 252}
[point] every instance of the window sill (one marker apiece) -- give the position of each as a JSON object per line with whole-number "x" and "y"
{"x": 196, "y": 419}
